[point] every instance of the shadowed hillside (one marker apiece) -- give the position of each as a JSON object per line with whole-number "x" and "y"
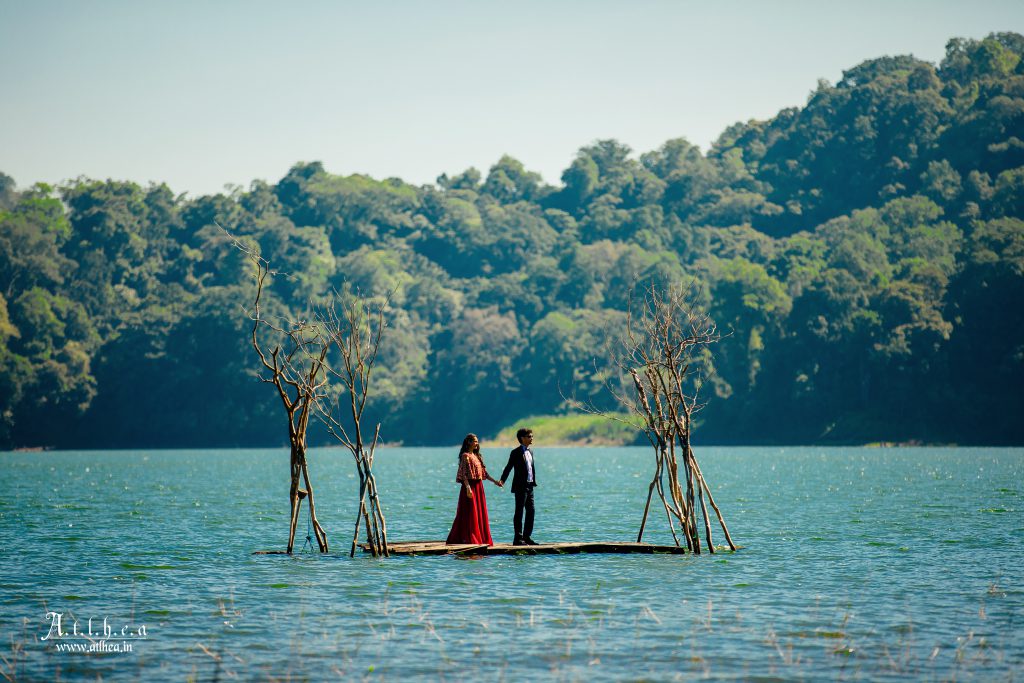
{"x": 865, "y": 251}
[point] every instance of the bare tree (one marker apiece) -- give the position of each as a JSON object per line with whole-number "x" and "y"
{"x": 664, "y": 358}
{"x": 293, "y": 361}
{"x": 356, "y": 330}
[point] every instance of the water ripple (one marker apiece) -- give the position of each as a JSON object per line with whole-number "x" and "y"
{"x": 878, "y": 564}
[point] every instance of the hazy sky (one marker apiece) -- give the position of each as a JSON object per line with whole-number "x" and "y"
{"x": 200, "y": 94}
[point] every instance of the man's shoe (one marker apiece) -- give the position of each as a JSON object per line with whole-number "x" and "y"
{"x": 530, "y": 541}
{"x": 518, "y": 541}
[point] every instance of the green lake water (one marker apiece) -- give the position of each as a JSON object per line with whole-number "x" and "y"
{"x": 857, "y": 563}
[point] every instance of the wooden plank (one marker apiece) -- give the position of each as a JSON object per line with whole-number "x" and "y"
{"x": 471, "y": 550}
{"x": 442, "y": 548}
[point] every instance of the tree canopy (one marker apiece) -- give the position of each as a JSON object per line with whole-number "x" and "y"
{"x": 863, "y": 256}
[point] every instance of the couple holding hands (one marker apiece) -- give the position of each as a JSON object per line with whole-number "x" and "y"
{"x": 471, "y": 524}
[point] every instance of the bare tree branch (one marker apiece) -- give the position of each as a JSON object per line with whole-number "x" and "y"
{"x": 294, "y": 363}
{"x": 355, "y": 328}
{"x": 664, "y": 352}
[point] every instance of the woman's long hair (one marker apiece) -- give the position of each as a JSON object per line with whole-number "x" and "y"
{"x": 467, "y": 447}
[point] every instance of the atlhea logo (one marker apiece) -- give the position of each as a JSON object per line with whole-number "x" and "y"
{"x": 67, "y": 636}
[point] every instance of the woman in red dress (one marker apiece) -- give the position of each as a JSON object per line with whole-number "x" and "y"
{"x": 471, "y": 524}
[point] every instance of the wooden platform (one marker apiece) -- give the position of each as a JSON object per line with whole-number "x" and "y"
{"x": 441, "y": 548}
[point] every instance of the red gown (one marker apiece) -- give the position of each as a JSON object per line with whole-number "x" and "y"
{"x": 471, "y": 524}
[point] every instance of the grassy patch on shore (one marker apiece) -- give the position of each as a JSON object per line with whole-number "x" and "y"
{"x": 570, "y": 430}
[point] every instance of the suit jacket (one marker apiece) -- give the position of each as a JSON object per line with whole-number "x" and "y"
{"x": 517, "y": 461}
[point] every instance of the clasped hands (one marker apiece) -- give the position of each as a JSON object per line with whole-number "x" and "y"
{"x": 469, "y": 491}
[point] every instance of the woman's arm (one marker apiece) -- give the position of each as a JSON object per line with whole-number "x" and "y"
{"x": 464, "y": 474}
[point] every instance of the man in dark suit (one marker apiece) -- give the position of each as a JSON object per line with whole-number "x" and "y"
{"x": 523, "y": 482}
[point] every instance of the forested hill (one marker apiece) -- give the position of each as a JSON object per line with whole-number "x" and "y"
{"x": 866, "y": 251}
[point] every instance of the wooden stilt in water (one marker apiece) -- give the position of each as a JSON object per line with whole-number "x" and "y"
{"x": 318, "y": 531}
{"x": 359, "y": 516}
{"x": 647, "y": 507}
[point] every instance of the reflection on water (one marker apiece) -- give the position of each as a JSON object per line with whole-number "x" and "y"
{"x": 857, "y": 563}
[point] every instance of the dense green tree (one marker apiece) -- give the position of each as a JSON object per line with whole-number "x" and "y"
{"x": 55, "y": 336}
{"x": 508, "y": 181}
{"x": 302, "y": 254}
{"x": 32, "y": 232}
{"x": 863, "y": 254}
{"x": 750, "y": 307}
{"x": 15, "y": 375}
{"x": 987, "y": 342}
{"x": 8, "y": 191}
{"x": 564, "y": 345}
{"x": 467, "y": 180}
{"x": 476, "y": 366}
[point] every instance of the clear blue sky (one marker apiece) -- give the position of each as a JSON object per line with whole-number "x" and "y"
{"x": 200, "y": 94}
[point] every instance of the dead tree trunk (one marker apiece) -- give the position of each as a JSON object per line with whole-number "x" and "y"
{"x": 356, "y": 330}
{"x": 295, "y": 366}
{"x": 664, "y": 357}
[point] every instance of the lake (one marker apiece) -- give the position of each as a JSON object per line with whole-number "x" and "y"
{"x": 857, "y": 563}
